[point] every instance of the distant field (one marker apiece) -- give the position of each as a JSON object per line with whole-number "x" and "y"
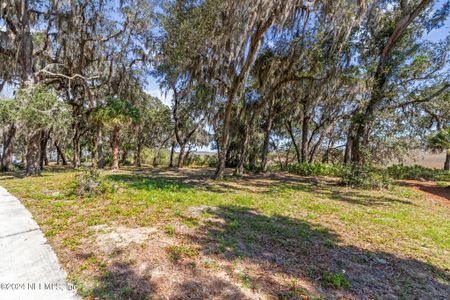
{"x": 423, "y": 158}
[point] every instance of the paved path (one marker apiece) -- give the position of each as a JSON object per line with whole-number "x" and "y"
{"x": 29, "y": 268}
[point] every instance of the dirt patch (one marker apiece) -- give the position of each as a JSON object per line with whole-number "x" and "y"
{"x": 197, "y": 211}
{"x": 110, "y": 238}
{"x": 430, "y": 190}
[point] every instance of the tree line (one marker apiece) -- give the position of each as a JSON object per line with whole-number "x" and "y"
{"x": 345, "y": 81}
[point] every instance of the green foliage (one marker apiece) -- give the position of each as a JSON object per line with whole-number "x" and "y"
{"x": 38, "y": 107}
{"x": 366, "y": 177}
{"x": 8, "y": 111}
{"x": 314, "y": 169}
{"x": 417, "y": 172}
{"x": 89, "y": 183}
{"x": 177, "y": 253}
{"x": 440, "y": 141}
{"x": 335, "y": 280}
{"x": 201, "y": 160}
{"x": 116, "y": 111}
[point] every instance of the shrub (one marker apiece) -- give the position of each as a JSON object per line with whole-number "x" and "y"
{"x": 417, "y": 172}
{"x": 315, "y": 169}
{"x": 365, "y": 177}
{"x": 88, "y": 182}
{"x": 335, "y": 280}
{"x": 211, "y": 161}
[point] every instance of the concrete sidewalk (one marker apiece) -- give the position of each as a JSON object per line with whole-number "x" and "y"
{"x": 29, "y": 268}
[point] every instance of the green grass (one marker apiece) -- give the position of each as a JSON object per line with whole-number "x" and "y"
{"x": 284, "y": 218}
{"x": 335, "y": 280}
{"x": 177, "y": 253}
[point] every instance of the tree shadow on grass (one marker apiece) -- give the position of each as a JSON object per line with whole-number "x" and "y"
{"x": 430, "y": 188}
{"x": 145, "y": 182}
{"x": 151, "y": 274}
{"x": 121, "y": 282}
{"x": 10, "y": 175}
{"x": 366, "y": 200}
{"x": 47, "y": 171}
{"x": 198, "y": 283}
{"x": 286, "y": 246}
{"x": 118, "y": 280}
{"x": 167, "y": 180}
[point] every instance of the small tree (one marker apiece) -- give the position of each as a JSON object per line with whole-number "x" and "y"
{"x": 116, "y": 113}
{"x": 441, "y": 142}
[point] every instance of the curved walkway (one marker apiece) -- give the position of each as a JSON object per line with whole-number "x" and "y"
{"x": 29, "y": 268}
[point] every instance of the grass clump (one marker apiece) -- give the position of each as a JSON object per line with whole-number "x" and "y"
{"x": 335, "y": 280}
{"x": 169, "y": 230}
{"x": 177, "y": 253}
{"x": 89, "y": 183}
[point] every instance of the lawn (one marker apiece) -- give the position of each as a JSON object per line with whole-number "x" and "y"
{"x": 158, "y": 233}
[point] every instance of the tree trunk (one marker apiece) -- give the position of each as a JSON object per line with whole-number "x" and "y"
{"x": 137, "y": 155}
{"x": 115, "y": 147}
{"x": 172, "y": 150}
{"x": 43, "y": 160}
{"x": 80, "y": 154}
{"x": 240, "y": 166}
{"x": 8, "y": 147}
{"x": 267, "y": 129}
{"x": 447, "y": 161}
{"x": 291, "y": 134}
{"x": 348, "y": 145}
{"x": 286, "y": 161}
{"x": 252, "y": 159}
{"x": 188, "y": 154}
{"x": 223, "y": 151}
{"x": 360, "y": 140}
{"x": 99, "y": 146}
{"x": 124, "y": 156}
{"x": 315, "y": 148}
{"x": 76, "y": 162}
{"x": 25, "y": 59}
{"x": 155, "y": 158}
{"x": 326, "y": 156}
{"x": 181, "y": 155}
{"x": 32, "y": 156}
{"x": 305, "y": 133}
{"x": 60, "y": 154}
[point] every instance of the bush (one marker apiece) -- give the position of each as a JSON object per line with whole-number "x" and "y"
{"x": 211, "y": 161}
{"x": 365, "y": 177}
{"x": 335, "y": 280}
{"x": 315, "y": 169}
{"x": 88, "y": 182}
{"x": 417, "y": 172}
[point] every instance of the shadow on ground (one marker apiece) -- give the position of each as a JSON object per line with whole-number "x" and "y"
{"x": 275, "y": 256}
{"x": 281, "y": 246}
{"x": 200, "y": 179}
{"x": 442, "y": 193}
